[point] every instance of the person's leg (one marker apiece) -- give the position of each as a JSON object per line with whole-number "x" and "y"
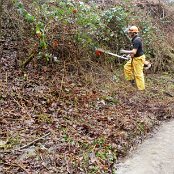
{"x": 128, "y": 71}
{"x": 138, "y": 64}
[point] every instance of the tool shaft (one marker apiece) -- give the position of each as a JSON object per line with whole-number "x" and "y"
{"x": 116, "y": 55}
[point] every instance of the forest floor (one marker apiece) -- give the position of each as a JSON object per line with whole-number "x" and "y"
{"x": 55, "y": 122}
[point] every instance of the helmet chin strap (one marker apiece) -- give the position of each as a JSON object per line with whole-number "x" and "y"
{"x": 132, "y": 35}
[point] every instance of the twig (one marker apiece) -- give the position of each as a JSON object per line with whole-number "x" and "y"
{"x": 62, "y": 81}
{"x": 168, "y": 94}
{"x": 22, "y": 167}
{"x": 6, "y": 78}
{"x": 33, "y": 142}
{"x": 20, "y": 106}
{"x": 27, "y": 145}
{"x": 31, "y": 57}
{"x": 16, "y": 164}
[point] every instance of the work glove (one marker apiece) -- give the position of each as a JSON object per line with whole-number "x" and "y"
{"x": 128, "y": 56}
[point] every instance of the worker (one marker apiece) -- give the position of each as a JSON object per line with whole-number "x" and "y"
{"x": 133, "y": 69}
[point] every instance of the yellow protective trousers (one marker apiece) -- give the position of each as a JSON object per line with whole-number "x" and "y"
{"x": 133, "y": 70}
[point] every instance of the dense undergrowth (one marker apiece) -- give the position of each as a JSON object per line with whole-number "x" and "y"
{"x": 72, "y": 30}
{"x": 62, "y": 108}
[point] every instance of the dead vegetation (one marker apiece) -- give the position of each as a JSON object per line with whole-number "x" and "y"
{"x": 74, "y": 116}
{"x": 55, "y": 123}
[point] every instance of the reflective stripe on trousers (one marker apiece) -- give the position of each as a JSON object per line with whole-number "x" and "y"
{"x": 133, "y": 70}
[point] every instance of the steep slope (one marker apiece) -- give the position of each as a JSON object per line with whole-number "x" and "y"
{"x": 53, "y": 121}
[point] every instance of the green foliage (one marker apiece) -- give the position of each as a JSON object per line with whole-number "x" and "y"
{"x": 45, "y": 118}
{"x": 80, "y": 28}
{"x": 27, "y": 16}
{"x": 115, "y": 20}
{"x": 10, "y": 142}
{"x": 90, "y": 26}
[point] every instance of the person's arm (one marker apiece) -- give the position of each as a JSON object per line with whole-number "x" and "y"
{"x": 136, "y": 45}
{"x": 133, "y": 51}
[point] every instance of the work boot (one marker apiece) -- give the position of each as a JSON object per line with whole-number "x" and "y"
{"x": 132, "y": 82}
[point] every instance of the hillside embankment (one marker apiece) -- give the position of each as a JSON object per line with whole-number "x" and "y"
{"x": 53, "y": 121}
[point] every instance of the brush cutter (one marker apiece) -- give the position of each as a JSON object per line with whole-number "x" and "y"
{"x": 99, "y": 51}
{"x": 147, "y": 65}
